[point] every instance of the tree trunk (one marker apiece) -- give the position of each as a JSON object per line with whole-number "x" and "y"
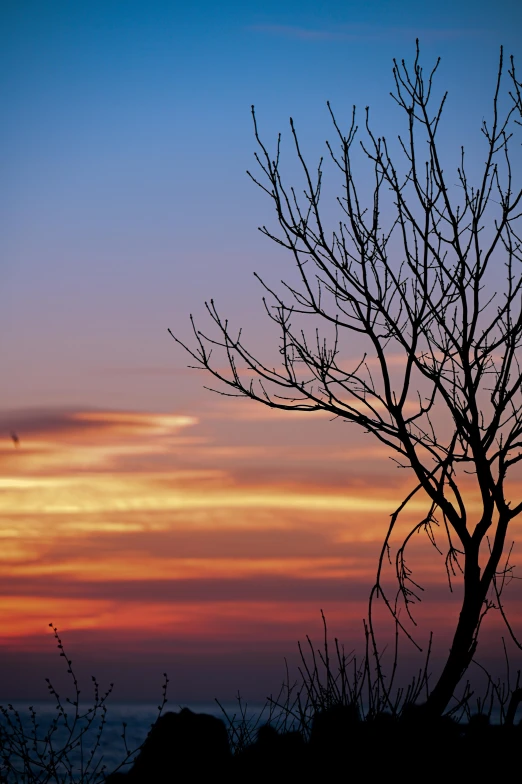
{"x": 464, "y": 641}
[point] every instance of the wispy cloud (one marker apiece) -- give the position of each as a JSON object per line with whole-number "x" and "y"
{"x": 174, "y": 523}
{"x": 148, "y": 370}
{"x": 302, "y": 33}
{"x": 91, "y": 422}
{"x": 366, "y": 32}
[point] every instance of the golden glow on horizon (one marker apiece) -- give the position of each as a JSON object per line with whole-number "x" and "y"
{"x": 132, "y": 566}
{"x": 25, "y": 617}
{"x": 93, "y": 499}
{"x": 100, "y": 493}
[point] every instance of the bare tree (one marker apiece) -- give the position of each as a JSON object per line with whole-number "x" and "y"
{"x": 438, "y": 283}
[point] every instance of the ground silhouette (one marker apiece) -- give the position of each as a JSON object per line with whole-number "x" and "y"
{"x": 196, "y": 746}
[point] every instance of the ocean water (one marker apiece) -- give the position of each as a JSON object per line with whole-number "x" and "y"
{"x": 111, "y": 751}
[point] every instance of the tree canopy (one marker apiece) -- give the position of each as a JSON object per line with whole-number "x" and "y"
{"x": 426, "y": 275}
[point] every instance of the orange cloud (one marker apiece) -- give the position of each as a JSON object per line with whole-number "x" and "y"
{"x": 176, "y": 526}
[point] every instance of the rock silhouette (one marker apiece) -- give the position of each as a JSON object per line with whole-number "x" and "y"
{"x": 184, "y": 744}
{"x": 195, "y": 747}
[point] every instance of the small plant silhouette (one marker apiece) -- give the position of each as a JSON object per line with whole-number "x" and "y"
{"x": 69, "y": 749}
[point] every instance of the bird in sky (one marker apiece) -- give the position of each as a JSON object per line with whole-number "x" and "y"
{"x": 15, "y": 439}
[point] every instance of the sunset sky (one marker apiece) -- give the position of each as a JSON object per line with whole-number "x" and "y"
{"x": 159, "y": 526}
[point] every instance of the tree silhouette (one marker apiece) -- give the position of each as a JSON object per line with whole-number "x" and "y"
{"x": 427, "y": 278}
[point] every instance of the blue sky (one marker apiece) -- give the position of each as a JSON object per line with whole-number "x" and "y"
{"x": 125, "y": 141}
